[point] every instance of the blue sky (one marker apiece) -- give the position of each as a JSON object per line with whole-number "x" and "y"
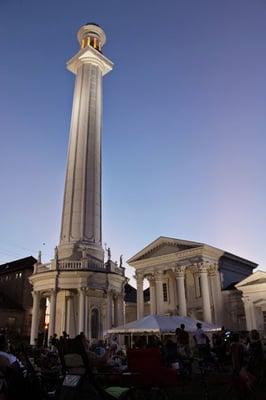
{"x": 183, "y": 126}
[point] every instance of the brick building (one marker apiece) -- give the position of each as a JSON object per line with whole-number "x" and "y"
{"x": 15, "y": 295}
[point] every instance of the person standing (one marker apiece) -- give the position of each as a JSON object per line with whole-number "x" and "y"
{"x": 182, "y": 339}
{"x": 202, "y": 342}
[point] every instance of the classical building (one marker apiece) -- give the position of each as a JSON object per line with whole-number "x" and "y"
{"x": 84, "y": 292}
{"x": 15, "y": 295}
{"x": 253, "y": 289}
{"x": 190, "y": 278}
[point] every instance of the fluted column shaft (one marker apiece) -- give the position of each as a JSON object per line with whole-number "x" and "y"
{"x": 70, "y": 316}
{"x": 121, "y": 310}
{"x": 52, "y": 315}
{"x": 82, "y": 207}
{"x": 82, "y": 304}
{"x": 181, "y": 293}
{"x": 140, "y": 299}
{"x": 116, "y": 310}
{"x": 206, "y": 300}
{"x": 109, "y": 309}
{"x": 249, "y": 313}
{"x": 35, "y": 317}
{"x": 151, "y": 280}
{"x": 159, "y": 292}
{"x": 216, "y": 293}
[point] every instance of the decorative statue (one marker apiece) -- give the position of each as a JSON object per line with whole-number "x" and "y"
{"x": 39, "y": 257}
{"x": 121, "y": 261}
{"x": 109, "y": 254}
{"x": 84, "y": 252}
{"x": 56, "y": 253}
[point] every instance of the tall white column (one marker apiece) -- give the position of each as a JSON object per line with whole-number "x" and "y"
{"x": 140, "y": 298}
{"x": 81, "y": 217}
{"x": 159, "y": 292}
{"x": 151, "y": 280}
{"x": 52, "y": 315}
{"x": 216, "y": 293}
{"x": 205, "y": 292}
{"x": 181, "y": 293}
{"x": 82, "y": 299}
{"x": 35, "y": 317}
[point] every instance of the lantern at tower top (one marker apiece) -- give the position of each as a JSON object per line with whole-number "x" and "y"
{"x": 91, "y": 35}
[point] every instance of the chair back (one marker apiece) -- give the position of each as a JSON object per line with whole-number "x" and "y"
{"x": 73, "y": 356}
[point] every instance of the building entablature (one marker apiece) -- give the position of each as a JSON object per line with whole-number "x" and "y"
{"x": 187, "y": 258}
{"x": 178, "y": 269}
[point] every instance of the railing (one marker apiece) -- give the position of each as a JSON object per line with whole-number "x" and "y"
{"x": 80, "y": 265}
{"x": 89, "y": 265}
{"x": 66, "y": 265}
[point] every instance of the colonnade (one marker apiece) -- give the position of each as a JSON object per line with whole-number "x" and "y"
{"x": 209, "y": 284}
{"x": 112, "y": 307}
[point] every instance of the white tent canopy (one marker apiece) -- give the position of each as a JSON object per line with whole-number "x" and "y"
{"x": 162, "y": 324}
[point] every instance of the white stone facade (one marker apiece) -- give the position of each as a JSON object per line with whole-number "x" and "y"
{"x": 186, "y": 278}
{"x": 253, "y": 290}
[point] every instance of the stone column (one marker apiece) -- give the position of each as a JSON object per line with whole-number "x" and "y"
{"x": 159, "y": 292}
{"x": 63, "y": 320}
{"x": 181, "y": 293}
{"x": 70, "y": 315}
{"x": 121, "y": 308}
{"x": 151, "y": 280}
{"x": 249, "y": 312}
{"x": 205, "y": 292}
{"x": 52, "y": 315}
{"x": 109, "y": 309}
{"x": 116, "y": 310}
{"x": 35, "y": 316}
{"x": 216, "y": 293}
{"x": 140, "y": 299}
{"x": 82, "y": 212}
{"x": 82, "y": 299}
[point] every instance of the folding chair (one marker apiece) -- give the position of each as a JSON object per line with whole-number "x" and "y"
{"x": 79, "y": 381}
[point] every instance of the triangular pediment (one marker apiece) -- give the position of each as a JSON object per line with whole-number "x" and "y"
{"x": 163, "y": 246}
{"x": 256, "y": 278}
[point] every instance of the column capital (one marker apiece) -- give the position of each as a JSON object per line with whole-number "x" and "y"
{"x": 69, "y": 294}
{"x": 203, "y": 267}
{"x": 158, "y": 275}
{"x": 139, "y": 276}
{"x": 213, "y": 269}
{"x": 151, "y": 278}
{"x": 179, "y": 271}
{"x": 35, "y": 293}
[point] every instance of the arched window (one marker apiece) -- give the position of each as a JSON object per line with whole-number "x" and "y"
{"x": 94, "y": 323}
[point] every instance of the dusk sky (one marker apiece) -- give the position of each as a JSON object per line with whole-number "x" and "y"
{"x": 184, "y": 124}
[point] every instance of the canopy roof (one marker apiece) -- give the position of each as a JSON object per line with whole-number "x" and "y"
{"x": 162, "y": 324}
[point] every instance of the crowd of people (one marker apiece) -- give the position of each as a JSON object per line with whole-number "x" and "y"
{"x": 36, "y": 371}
